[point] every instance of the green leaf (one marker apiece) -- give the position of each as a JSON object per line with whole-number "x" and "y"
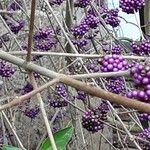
{"x": 61, "y": 137}
{"x": 7, "y": 147}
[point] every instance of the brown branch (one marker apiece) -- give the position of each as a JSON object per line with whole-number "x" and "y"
{"x": 94, "y": 91}
{"x": 31, "y": 28}
{"x": 98, "y": 92}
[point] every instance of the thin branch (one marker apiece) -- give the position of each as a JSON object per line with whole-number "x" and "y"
{"x": 100, "y": 74}
{"x": 32, "y": 18}
{"x": 45, "y": 134}
{"x": 49, "y": 131}
{"x": 20, "y": 53}
{"x": 51, "y": 74}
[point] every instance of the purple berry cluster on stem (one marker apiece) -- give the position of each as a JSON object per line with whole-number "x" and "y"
{"x": 16, "y": 26}
{"x": 56, "y": 2}
{"x": 141, "y": 47}
{"x": 129, "y": 6}
{"x": 113, "y": 63}
{"x": 103, "y": 110}
{"x": 31, "y": 111}
{"x": 145, "y": 135}
{"x": 80, "y": 42}
{"x": 59, "y": 100}
{"x": 116, "y": 85}
{"x": 140, "y": 74}
{"x": 6, "y": 70}
{"x": 85, "y": 30}
{"x": 27, "y": 88}
{"x": 44, "y": 39}
{"x": 89, "y": 22}
{"x": 81, "y": 95}
{"x": 61, "y": 90}
{"x": 82, "y": 3}
{"x": 80, "y": 30}
{"x": 111, "y": 17}
{"x": 103, "y": 107}
{"x": 57, "y": 103}
{"x": 93, "y": 67}
{"x": 92, "y": 118}
{"x": 91, "y": 122}
{"x": 116, "y": 49}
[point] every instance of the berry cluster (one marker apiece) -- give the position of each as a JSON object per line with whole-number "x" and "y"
{"x": 139, "y": 94}
{"x": 16, "y": 26}
{"x": 61, "y": 93}
{"x": 111, "y": 17}
{"x": 31, "y": 112}
{"x": 61, "y": 90}
{"x": 81, "y": 95}
{"x": 85, "y": 30}
{"x": 80, "y": 30}
{"x": 93, "y": 67}
{"x": 129, "y": 6}
{"x": 113, "y": 63}
{"x": 144, "y": 116}
{"x": 145, "y": 134}
{"x": 116, "y": 49}
{"x": 44, "y": 39}
{"x": 89, "y": 22}
{"x": 116, "y": 85}
{"x": 27, "y": 88}
{"x": 56, "y": 2}
{"x": 103, "y": 109}
{"x": 141, "y": 48}
{"x": 136, "y": 48}
{"x": 80, "y": 42}
{"x": 82, "y": 3}
{"x": 91, "y": 121}
{"x": 6, "y": 70}
{"x": 58, "y": 103}
{"x": 132, "y": 63}
{"x": 14, "y": 6}
{"x": 140, "y": 74}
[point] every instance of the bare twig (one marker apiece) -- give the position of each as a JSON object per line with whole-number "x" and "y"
{"x": 32, "y": 18}
{"x": 49, "y": 131}
{"x": 92, "y": 56}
